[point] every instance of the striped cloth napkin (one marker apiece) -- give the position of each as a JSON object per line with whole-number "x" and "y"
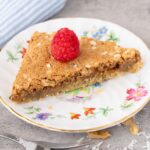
{"x": 16, "y": 15}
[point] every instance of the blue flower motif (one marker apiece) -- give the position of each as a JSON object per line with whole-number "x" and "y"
{"x": 100, "y": 33}
{"x": 42, "y": 116}
{"x": 103, "y": 30}
{"x": 96, "y": 84}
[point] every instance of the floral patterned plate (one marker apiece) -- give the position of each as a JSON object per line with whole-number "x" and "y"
{"x": 95, "y": 107}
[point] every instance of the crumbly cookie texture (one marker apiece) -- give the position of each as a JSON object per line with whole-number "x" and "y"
{"x": 41, "y": 75}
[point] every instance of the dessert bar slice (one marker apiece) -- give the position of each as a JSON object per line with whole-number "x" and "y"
{"x": 41, "y": 75}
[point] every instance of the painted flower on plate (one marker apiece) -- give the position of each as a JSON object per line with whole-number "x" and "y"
{"x": 100, "y": 33}
{"x": 136, "y": 94}
{"x": 42, "y": 116}
{"x": 96, "y": 84}
{"x": 75, "y": 116}
{"x": 88, "y": 111}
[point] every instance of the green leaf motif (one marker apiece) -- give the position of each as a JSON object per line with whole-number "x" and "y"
{"x": 86, "y": 90}
{"x": 60, "y": 116}
{"x": 105, "y": 110}
{"x": 85, "y": 33}
{"x": 73, "y": 92}
{"x": 87, "y": 98}
{"x": 30, "y": 112}
{"x": 112, "y": 37}
{"x": 30, "y": 107}
{"x": 18, "y": 47}
{"x": 126, "y": 105}
{"x": 138, "y": 84}
{"x": 11, "y": 57}
{"x": 52, "y": 117}
{"x": 34, "y": 118}
{"x": 37, "y": 109}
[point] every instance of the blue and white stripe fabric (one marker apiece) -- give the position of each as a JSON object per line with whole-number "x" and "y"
{"x": 15, "y": 15}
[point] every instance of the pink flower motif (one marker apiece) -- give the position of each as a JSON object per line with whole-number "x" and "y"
{"x": 136, "y": 94}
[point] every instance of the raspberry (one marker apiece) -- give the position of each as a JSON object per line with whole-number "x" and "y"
{"x": 65, "y": 45}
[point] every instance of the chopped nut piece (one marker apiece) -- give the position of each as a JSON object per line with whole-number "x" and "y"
{"x": 29, "y": 79}
{"x": 102, "y": 134}
{"x": 39, "y": 44}
{"x": 93, "y": 47}
{"x": 104, "y": 53}
{"x": 73, "y": 65}
{"x": 48, "y": 66}
{"x": 92, "y": 42}
{"x": 25, "y": 76}
{"x": 87, "y": 66}
{"x": 134, "y": 128}
{"x": 117, "y": 55}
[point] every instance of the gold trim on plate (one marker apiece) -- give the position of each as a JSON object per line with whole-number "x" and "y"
{"x": 72, "y": 131}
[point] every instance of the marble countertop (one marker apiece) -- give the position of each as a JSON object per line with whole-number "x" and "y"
{"x": 133, "y": 15}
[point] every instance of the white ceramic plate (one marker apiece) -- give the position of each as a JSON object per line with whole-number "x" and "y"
{"x": 96, "y": 107}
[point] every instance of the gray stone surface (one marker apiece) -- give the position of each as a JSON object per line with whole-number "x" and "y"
{"x": 131, "y": 14}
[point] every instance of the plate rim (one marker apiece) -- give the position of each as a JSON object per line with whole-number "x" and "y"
{"x": 79, "y": 130}
{"x": 73, "y": 131}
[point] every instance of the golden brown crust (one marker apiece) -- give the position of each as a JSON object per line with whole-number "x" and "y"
{"x": 39, "y": 71}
